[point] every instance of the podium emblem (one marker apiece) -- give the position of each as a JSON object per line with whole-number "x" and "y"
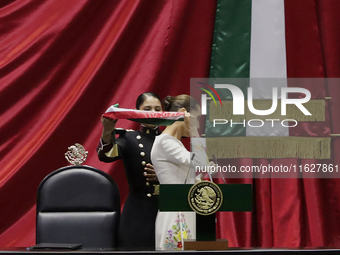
{"x": 205, "y": 198}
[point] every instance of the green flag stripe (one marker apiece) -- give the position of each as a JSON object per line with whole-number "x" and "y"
{"x": 230, "y": 56}
{"x": 231, "y": 45}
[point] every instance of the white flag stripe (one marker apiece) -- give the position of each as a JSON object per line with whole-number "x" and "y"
{"x": 268, "y": 129}
{"x": 268, "y": 47}
{"x": 267, "y": 57}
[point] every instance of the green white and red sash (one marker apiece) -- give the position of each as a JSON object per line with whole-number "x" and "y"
{"x": 147, "y": 117}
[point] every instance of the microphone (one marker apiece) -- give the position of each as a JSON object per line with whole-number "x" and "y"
{"x": 209, "y": 175}
{"x": 215, "y": 161}
{"x": 192, "y": 158}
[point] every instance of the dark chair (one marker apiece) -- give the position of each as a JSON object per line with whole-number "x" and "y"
{"x": 78, "y": 204}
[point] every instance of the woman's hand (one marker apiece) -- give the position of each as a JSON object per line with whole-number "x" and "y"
{"x": 191, "y": 123}
{"x": 150, "y": 173}
{"x": 194, "y": 126}
{"x": 108, "y": 127}
{"x": 187, "y": 119}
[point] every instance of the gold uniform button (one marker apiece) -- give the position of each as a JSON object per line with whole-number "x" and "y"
{"x": 142, "y": 153}
{"x": 138, "y": 137}
{"x": 141, "y": 145}
{"x": 147, "y": 183}
{"x": 148, "y": 195}
{"x": 143, "y": 163}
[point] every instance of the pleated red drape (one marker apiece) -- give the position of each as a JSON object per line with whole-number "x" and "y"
{"x": 62, "y": 63}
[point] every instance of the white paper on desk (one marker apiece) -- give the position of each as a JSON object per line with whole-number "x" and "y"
{"x": 198, "y": 146}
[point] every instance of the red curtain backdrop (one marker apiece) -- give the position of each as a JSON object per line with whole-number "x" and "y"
{"x": 62, "y": 63}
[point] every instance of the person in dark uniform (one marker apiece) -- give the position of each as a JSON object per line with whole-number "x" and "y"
{"x": 137, "y": 222}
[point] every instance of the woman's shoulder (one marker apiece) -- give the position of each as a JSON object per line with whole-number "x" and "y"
{"x": 125, "y": 137}
{"x": 123, "y": 133}
{"x": 165, "y": 137}
{"x": 167, "y": 140}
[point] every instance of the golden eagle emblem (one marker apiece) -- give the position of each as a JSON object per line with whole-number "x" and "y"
{"x": 205, "y": 197}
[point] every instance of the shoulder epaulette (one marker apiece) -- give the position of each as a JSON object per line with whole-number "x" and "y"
{"x": 120, "y": 131}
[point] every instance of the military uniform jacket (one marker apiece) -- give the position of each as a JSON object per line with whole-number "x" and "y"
{"x": 137, "y": 223}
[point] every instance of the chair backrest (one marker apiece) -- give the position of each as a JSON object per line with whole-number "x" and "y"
{"x": 78, "y": 204}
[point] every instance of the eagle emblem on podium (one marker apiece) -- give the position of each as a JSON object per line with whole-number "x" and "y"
{"x": 205, "y": 197}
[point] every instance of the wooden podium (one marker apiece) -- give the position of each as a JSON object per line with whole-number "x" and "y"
{"x": 236, "y": 197}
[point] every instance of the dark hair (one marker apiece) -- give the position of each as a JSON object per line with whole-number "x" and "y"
{"x": 142, "y": 97}
{"x": 173, "y": 104}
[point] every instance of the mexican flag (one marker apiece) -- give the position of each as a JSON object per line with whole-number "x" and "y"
{"x": 257, "y": 41}
{"x": 279, "y": 40}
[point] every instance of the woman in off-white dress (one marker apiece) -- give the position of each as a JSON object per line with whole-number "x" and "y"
{"x": 171, "y": 161}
